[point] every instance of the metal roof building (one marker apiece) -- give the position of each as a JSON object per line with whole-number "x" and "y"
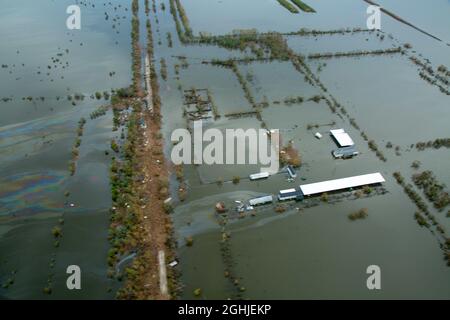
{"x": 290, "y": 194}
{"x": 342, "y": 138}
{"x": 260, "y": 200}
{"x": 345, "y": 152}
{"x": 260, "y": 175}
{"x": 291, "y": 171}
{"x": 340, "y": 184}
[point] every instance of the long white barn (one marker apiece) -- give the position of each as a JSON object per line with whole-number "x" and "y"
{"x": 339, "y": 184}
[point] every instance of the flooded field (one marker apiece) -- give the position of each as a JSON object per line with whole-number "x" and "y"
{"x": 303, "y": 73}
{"x": 46, "y": 67}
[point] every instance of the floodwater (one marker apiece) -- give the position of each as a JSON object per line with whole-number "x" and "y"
{"x": 45, "y": 59}
{"x": 314, "y": 252}
{"x": 308, "y": 251}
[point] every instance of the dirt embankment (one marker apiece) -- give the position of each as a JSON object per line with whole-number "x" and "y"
{"x": 150, "y": 187}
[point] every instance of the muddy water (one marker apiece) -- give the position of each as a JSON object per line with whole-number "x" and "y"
{"x": 313, "y": 252}
{"x": 267, "y": 15}
{"x": 304, "y": 252}
{"x": 45, "y": 59}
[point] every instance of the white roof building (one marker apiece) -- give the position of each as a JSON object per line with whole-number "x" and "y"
{"x": 342, "y": 138}
{"x": 289, "y": 194}
{"x": 339, "y": 184}
{"x": 260, "y": 200}
{"x": 287, "y": 191}
{"x": 260, "y": 175}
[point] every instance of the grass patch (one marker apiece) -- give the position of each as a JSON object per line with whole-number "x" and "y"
{"x": 289, "y": 6}
{"x": 163, "y": 69}
{"x": 303, "y": 6}
{"x": 434, "y": 191}
{"x": 360, "y": 214}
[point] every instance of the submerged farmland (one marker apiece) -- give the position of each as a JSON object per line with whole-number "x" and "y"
{"x": 87, "y": 176}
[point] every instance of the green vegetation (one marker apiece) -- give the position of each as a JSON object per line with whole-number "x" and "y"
{"x": 123, "y": 231}
{"x": 436, "y": 144}
{"x": 373, "y": 146}
{"x": 9, "y": 282}
{"x": 307, "y": 32}
{"x": 167, "y": 207}
{"x": 412, "y": 194}
{"x": 303, "y": 6}
{"x": 434, "y": 191}
{"x": 76, "y": 146}
{"x": 163, "y": 69}
{"x": 57, "y": 232}
{"x": 76, "y": 96}
{"x": 186, "y": 34}
{"x": 179, "y": 28}
{"x": 197, "y": 292}
{"x": 81, "y": 124}
{"x": 184, "y": 19}
{"x": 101, "y": 111}
{"x": 236, "y": 179}
{"x": 316, "y": 125}
{"x": 136, "y": 52}
{"x": 288, "y": 5}
{"x": 330, "y": 55}
{"x": 443, "y": 69}
{"x": 169, "y": 40}
{"x": 316, "y": 98}
{"x": 293, "y": 100}
{"x": 416, "y": 164}
{"x": 421, "y": 220}
{"x": 147, "y": 7}
{"x": 236, "y": 115}
{"x": 114, "y": 146}
{"x": 272, "y": 42}
{"x": 360, "y": 214}
{"x": 189, "y": 241}
{"x": 244, "y": 85}
{"x": 214, "y": 107}
{"x": 156, "y": 100}
{"x": 428, "y": 74}
{"x": 47, "y": 290}
{"x": 367, "y": 190}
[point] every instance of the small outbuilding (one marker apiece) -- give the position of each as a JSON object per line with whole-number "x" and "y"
{"x": 260, "y": 200}
{"x": 342, "y": 138}
{"x": 290, "y": 194}
{"x": 345, "y": 152}
{"x": 291, "y": 171}
{"x": 258, "y": 176}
